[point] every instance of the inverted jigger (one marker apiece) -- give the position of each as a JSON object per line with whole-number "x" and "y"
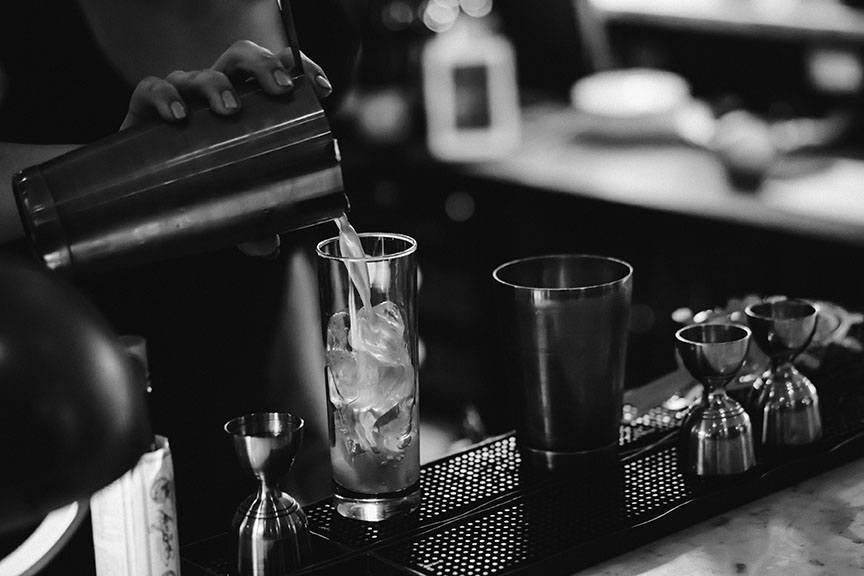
{"x": 717, "y": 437}
{"x": 272, "y": 534}
{"x": 784, "y": 401}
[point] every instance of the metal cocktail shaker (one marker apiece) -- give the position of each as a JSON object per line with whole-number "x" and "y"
{"x": 564, "y": 321}
{"x": 162, "y": 190}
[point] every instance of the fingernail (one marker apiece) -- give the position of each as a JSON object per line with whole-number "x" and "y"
{"x": 178, "y": 110}
{"x": 282, "y": 78}
{"x": 229, "y": 100}
{"x": 323, "y": 82}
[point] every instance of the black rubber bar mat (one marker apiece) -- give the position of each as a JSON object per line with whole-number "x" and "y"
{"x": 484, "y": 513}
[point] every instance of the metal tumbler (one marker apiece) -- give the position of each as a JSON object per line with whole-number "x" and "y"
{"x": 564, "y": 321}
{"x": 162, "y": 190}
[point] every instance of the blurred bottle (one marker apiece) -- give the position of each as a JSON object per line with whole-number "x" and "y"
{"x": 134, "y": 519}
{"x": 470, "y": 92}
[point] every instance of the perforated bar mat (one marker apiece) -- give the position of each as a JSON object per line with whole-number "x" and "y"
{"x": 484, "y": 513}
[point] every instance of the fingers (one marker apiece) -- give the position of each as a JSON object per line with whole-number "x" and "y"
{"x": 155, "y": 97}
{"x": 313, "y": 72}
{"x": 166, "y": 98}
{"x": 272, "y": 71}
{"x": 211, "y": 85}
{"x": 245, "y": 59}
{"x": 318, "y": 78}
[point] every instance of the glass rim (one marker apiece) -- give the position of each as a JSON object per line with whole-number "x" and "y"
{"x": 679, "y": 334}
{"x": 754, "y": 310}
{"x": 237, "y": 426}
{"x": 588, "y": 287}
{"x": 412, "y": 247}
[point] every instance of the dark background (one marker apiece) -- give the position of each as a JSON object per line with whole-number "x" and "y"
{"x": 466, "y": 226}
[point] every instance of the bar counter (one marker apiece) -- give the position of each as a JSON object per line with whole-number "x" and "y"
{"x": 814, "y": 527}
{"x": 485, "y": 513}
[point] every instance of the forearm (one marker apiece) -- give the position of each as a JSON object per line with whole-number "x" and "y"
{"x": 14, "y": 158}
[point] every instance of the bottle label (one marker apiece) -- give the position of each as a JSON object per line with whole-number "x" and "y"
{"x": 471, "y": 86}
{"x": 135, "y": 519}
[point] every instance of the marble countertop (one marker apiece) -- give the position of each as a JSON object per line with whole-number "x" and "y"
{"x": 813, "y": 528}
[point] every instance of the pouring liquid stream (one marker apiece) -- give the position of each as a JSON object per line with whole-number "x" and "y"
{"x": 358, "y": 273}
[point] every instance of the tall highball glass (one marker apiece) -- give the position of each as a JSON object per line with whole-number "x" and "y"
{"x": 369, "y": 320}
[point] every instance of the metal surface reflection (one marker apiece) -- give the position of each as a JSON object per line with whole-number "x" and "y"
{"x": 784, "y": 402}
{"x": 272, "y": 533}
{"x": 717, "y": 436}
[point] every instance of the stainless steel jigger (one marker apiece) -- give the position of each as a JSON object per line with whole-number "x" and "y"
{"x": 717, "y": 437}
{"x": 785, "y": 402}
{"x": 271, "y": 528}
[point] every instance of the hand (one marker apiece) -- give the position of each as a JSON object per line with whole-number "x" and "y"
{"x": 166, "y": 98}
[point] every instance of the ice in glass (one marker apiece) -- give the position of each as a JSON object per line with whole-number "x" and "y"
{"x": 368, "y": 289}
